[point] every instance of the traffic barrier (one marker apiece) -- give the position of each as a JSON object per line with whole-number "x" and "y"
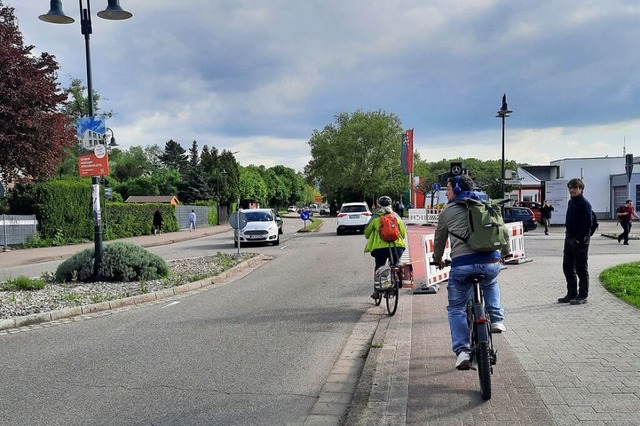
{"x": 516, "y": 241}
{"x": 423, "y": 217}
{"x": 433, "y": 275}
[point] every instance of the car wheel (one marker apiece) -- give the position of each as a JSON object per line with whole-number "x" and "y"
{"x": 280, "y": 231}
{"x": 277, "y": 241}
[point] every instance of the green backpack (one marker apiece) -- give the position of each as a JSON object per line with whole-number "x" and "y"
{"x": 487, "y": 231}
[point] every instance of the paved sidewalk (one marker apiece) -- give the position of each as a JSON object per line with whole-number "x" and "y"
{"x": 46, "y": 254}
{"x": 557, "y": 364}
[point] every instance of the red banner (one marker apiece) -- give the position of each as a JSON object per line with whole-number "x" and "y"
{"x": 406, "y": 155}
{"x": 94, "y": 163}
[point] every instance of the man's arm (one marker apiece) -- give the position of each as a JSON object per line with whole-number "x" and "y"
{"x": 440, "y": 239}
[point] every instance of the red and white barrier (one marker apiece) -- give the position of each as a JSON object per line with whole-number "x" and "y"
{"x": 516, "y": 241}
{"x": 433, "y": 275}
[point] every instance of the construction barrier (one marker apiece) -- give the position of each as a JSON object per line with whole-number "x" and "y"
{"x": 433, "y": 275}
{"x": 422, "y": 217}
{"x": 407, "y": 268}
{"x": 516, "y": 241}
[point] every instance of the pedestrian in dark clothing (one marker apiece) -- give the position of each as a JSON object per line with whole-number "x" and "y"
{"x": 626, "y": 214}
{"x": 545, "y": 214}
{"x": 575, "y": 258}
{"x": 157, "y": 222}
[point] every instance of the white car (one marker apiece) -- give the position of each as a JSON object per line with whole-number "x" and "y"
{"x": 292, "y": 209}
{"x": 353, "y": 216}
{"x": 263, "y": 226}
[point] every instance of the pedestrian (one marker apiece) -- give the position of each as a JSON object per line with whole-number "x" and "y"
{"x": 192, "y": 221}
{"x": 157, "y": 222}
{"x": 575, "y": 257}
{"x": 626, "y": 214}
{"x": 401, "y": 209}
{"x": 545, "y": 213}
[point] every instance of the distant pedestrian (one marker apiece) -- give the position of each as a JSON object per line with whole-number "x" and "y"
{"x": 157, "y": 222}
{"x": 545, "y": 213}
{"x": 575, "y": 258}
{"x": 626, "y": 214}
{"x": 192, "y": 221}
{"x": 400, "y": 209}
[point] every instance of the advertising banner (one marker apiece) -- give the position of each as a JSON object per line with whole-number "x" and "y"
{"x": 93, "y": 159}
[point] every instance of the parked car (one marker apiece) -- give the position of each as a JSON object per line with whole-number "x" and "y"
{"x": 292, "y": 209}
{"x": 535, "y": 208}
{"x": 325, "y": 211}
{"x": 263, "y": 226}
{"x": 353, "y": 217}
{"x": 520, "y": 214}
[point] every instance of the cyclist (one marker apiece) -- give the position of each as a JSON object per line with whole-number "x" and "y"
{"x": 464, "y": 262}
{"x": 379, "y": 248}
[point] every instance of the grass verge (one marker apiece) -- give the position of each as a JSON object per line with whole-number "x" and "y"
{"x": 624, "y": 282}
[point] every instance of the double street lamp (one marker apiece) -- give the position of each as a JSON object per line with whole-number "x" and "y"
{"x": 503, "y": 113}
{"x": 56, "y": 16}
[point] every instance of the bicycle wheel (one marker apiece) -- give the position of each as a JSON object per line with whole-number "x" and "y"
{"x": 378, "y": 301}
{"x": 392, "y": 296}
{"x": 483, "y": 358}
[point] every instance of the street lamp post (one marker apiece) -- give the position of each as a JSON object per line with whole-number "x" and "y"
{"x": 57, "y": 16}
{"x": 503, "y": 113}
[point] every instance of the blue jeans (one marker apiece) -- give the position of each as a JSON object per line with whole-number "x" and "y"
{"x": 459, "y": 291}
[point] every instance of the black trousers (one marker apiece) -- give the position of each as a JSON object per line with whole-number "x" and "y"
{"x": 575, "y": 265}
{"x": 626, "y": 229}
{"x": 382, "y": 254}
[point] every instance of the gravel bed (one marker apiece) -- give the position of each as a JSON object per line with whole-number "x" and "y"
{"x": 59, "y": 296}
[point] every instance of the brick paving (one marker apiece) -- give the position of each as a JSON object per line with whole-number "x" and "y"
{"x": 557, "y": 364}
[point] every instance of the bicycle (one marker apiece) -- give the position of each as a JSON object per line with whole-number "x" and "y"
{"x": 388, "y": 284}
{"x": 483, "y": 352}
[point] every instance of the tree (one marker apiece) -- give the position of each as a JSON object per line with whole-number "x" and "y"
{"x": 358, "y": 157}
{"x": 77, "y": 103}
{"x": 34, "y": 133}
{"x": 174, "y": 156}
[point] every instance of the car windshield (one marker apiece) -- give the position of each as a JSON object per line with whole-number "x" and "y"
{"x": 353, "y": 209}
{"x": 258, "y": 216}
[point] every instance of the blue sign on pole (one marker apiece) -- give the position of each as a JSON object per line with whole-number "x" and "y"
{"x": 436, "y": 186}
{"x": 304, "y": 215}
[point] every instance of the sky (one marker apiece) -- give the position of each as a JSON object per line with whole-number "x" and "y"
{"x": 258, "y": 77}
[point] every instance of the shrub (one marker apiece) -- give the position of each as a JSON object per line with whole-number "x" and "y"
{"x": 120, "y": 262}
{"x": 22, "y": 282}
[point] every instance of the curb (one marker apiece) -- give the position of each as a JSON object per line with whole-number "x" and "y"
{"x": 139, "y": 299}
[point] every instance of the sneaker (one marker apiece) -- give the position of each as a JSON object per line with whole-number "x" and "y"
{"x": 464, "y": 361}
{"x": 578, "y": 301}
{"x": 498, "y": 327}
{"x": 375, "y": 295}
{"x": 565, "y": 299}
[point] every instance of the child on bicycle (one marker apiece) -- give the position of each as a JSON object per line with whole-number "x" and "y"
{"x": 379, "y": 248}
{"x": 464, "y": 262}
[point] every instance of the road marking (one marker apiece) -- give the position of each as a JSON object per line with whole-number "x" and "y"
{"x": 170, "y": 304}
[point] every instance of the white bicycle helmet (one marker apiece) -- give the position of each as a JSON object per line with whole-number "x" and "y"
{"x": 384, "y": 201}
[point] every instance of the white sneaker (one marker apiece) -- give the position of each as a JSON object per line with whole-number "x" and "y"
{"x": 498, "y": 327}
{"x": 464, "y": 361}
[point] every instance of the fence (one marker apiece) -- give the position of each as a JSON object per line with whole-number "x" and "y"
{"x": 17, "y": 229}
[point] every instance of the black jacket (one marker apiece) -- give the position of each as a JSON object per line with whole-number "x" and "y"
{"x": 578, "y": 221}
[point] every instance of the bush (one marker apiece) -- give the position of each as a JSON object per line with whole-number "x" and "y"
{"x": 22, "y": 282}
{"x": 120, "y": 262}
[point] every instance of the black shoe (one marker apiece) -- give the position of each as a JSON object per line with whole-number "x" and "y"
{"x": 565, "y": 299}
{"x": 625, "y": 244}
{"x": 546, "y": 233}
{"x": 619, "y": 239}
{"x": 578, "y": 301}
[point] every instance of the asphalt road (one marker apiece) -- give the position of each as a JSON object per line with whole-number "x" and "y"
{"x": 254, "y": 351}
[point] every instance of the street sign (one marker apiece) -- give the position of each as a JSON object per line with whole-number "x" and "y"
{"x": 629, "y": 166}
{"x": 436, "y": 186}
{"x": 512, "y": 181}
{"x": 233, "y": 220}
{"x": 304, "y": 215}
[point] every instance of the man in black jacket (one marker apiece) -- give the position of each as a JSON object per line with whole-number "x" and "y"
{"x": 576, "y": 245}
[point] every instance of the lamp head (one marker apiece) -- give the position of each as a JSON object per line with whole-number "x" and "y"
{"x": 504, "y": 111}
{"x": 113, "y": 142}
{"x": 114, "y": 12}
{"x": 55, "y": 15}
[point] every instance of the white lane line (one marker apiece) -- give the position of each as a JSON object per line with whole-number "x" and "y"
{"x": 171, "y": 304}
